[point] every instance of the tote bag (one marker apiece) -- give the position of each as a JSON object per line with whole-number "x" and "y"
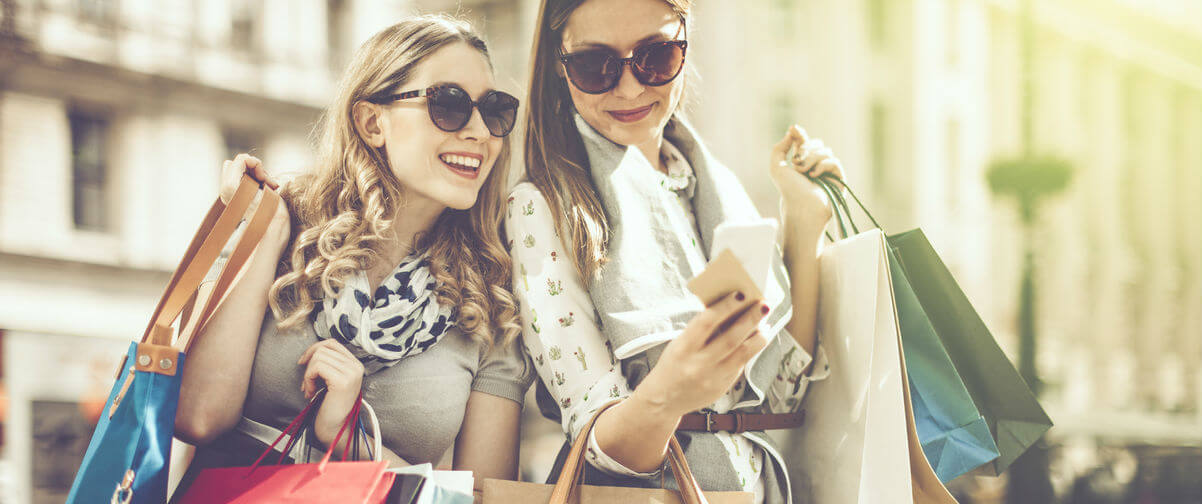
{"x": 127, "y": 458}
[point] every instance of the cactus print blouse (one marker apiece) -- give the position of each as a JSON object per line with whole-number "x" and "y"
{"x": 576, "y": 362}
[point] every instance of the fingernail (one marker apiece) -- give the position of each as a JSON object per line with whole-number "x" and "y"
{"x": 764, "y": 309}
{"x": 739, "y": 296}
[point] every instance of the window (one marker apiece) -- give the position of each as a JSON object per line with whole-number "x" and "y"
{"x": 952, "y": 32}
{"x": 60, "y": 435}
{"x": 878, "y": 135}
{"x": 954, "y": 166}
{"x": 337, "y": 31}
{"x": 241, "y": 141}
{"x": 89, "y": 170}
{"x": 8, "y": 11}
{"x": 783, "y": 115}
{"x": 102, "y": 12}
{"x": 244, "y": 26}
{"x": 878, "y": 31}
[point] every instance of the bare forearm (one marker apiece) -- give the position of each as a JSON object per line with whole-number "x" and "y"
{"x": 217, "y": 373}
{"x": 635, "y": 432}
{"x": 489, "y": 438}
{"x": 802, "y": 239}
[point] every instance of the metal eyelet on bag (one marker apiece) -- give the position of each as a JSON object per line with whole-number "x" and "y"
{"x": 143, "y": 360}
{"x": 124, "y": 492}
{"x": 165, "y": 364}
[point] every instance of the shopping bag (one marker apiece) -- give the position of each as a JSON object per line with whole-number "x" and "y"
{"x": 1011, "y": 411}
{"x": 421, "y": 484}
{"x": 860, "y": 444}
{"x": 359, "y": 482}
{"x": 954, "y": 435}
{"x": 127, "y": 458}
{"x": 1014, "y": 416}
{"x": 570, "y": 488}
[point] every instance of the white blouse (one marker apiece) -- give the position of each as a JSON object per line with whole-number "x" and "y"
{"x": 561, "y": 330}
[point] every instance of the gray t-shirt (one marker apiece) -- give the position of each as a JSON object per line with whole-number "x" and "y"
{"x": 420, "y": 401}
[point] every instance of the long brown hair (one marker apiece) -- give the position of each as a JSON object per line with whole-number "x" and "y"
{"x": 556, "y": 162}
{"x": 343, "y": 209}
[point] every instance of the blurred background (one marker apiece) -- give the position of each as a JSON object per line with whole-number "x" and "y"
{"x": 115, "y": 116}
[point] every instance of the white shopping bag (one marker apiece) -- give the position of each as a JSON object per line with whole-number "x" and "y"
{"x": 858, "y": 444}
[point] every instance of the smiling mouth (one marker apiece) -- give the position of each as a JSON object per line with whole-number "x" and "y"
{"x": 464, "y": 165}
{"x": 631, "y": 115}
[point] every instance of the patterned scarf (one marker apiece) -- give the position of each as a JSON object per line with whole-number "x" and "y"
{"x": 403, "y": 318}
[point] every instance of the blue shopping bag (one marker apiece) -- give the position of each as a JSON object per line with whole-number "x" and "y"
{"x": 127, "y": 458}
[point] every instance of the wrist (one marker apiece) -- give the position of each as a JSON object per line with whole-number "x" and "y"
{"x": 804, "y": 217}
{"x": 653, "y": 407}
{"x": 802, "y": 233}
{"x": 330, "y": 418}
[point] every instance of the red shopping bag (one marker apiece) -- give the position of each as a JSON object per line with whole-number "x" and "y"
{"x": 365, "y": 482}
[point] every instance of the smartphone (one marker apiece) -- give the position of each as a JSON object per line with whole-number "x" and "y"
{"x": 741, "y": 259}
{"x": 752, "y": 242}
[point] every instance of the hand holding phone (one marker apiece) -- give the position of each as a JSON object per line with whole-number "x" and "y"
{"x": 741, "y": 258}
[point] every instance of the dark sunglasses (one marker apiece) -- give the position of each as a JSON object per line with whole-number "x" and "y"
{"x": 595, "y": 71}
{"x": 450, "y": 107}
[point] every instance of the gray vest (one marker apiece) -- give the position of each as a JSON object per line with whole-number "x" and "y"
{"x": 641, "y": 294}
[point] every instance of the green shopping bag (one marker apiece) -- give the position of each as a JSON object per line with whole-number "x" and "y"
{"x": 1014, "y": 415}
{"x": 954, "y": 435}
{"x": 1014, "y": 418}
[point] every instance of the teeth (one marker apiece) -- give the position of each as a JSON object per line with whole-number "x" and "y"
{"x": 465, "y": 161}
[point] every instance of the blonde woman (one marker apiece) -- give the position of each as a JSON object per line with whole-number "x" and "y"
{"x": 383, "y": 273}
{"x": 616, "y": 217}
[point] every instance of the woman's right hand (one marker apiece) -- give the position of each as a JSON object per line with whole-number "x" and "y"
{"x": 231, "y": 177}
{"x": 705, "y": 360}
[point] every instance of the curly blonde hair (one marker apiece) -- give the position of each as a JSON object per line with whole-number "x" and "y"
{"x": 342, "y": 209}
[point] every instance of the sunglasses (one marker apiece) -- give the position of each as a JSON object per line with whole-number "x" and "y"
{"x": 450, "y": 108}
{"x": 595, "y": 71}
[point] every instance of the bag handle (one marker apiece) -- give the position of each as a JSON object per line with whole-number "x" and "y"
{"x": 571, "y": 477}
{"x": 216, "y": 229}
{"x": 292, "y": 431}
{"x": 838, "y": 186}
{"x": 835, "y": 209}
{"x": 254, "y": 233}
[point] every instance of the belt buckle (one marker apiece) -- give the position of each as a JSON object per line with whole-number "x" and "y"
{"x": 709, "y": 422}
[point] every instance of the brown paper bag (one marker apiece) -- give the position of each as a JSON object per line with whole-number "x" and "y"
{"x": 502, "y": 491}
{"x": 568, "y": 489}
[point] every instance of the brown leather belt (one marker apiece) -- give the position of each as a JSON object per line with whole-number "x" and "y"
{"x": 740, "y": 422}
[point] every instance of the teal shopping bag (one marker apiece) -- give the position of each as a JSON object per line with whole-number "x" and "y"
{"x": 978, "y": 411}
{"x": 1015, "y": 418}
{"x": 127, "y": 458}
{"x": 954, "y": 435}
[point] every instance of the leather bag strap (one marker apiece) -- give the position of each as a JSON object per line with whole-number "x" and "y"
{"x": 216, "y": 229}
{"x": 255, "y": 230}
{"x": 571, "y": 477}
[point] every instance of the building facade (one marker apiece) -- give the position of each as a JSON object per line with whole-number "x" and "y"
{"x": 115, "y": 116}
{"x": 919, "y": 97}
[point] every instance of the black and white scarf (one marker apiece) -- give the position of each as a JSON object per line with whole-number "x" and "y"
{"x": 403, "y": 318}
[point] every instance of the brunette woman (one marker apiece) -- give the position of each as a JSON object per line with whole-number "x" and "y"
{"x": 616, "y": 216}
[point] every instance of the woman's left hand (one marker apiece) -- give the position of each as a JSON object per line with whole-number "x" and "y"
{"x": 801, "y": 198}
{"x": 342, "y": 374}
